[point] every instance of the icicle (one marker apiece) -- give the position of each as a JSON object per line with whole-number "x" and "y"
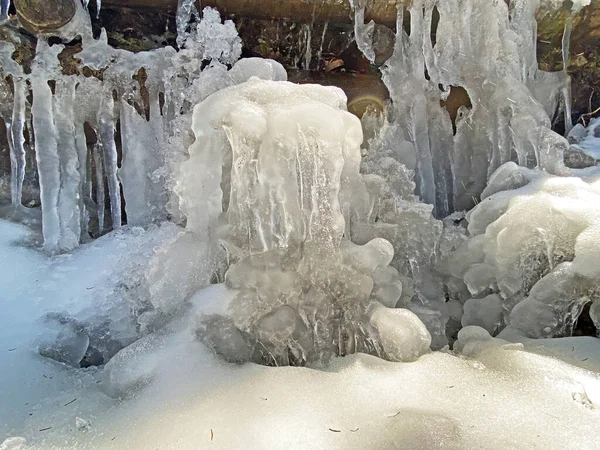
{"x": 185, "y": 9}
{"x": 99, "y": 177}
{"x": 566, "y": 90}
{"x": 46, "y": 151}
{"x": 142, "y": 141}
{"x": 308, "y": 51}
{"x": 4, "y": 8}
{"x": 18, "y": 140}
{"x": 107, "y": 137}
{"x": 68, "y": 157}
{"x": 84, "y": 181}
{"x": 363, "y": 33}
{"x": 320, "y": 53}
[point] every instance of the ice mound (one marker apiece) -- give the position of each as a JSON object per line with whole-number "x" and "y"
{"x": 265, "y": 178}
{"x": 531, "y": 259}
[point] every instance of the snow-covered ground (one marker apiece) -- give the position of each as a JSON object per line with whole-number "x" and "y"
{"x": 499, "y": 397}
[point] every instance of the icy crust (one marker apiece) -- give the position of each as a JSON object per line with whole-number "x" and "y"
{"x": 531, "y": 261}
{"x": 489, "y": 49}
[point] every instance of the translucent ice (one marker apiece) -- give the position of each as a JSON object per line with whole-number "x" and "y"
{"x": 153, "y": 129}
{"x": 4, "y": 7}
{"x": 403, "y": 335}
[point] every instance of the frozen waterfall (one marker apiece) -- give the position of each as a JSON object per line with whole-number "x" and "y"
{"x": 197, "y": 207}
{"x": 204, "y": 223}
{"x": 280, "y": 197}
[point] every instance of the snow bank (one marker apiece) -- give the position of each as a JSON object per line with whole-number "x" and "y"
{"x": 439, "y": 401}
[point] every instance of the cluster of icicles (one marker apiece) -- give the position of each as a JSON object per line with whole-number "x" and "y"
{"x": 326, "y": 244}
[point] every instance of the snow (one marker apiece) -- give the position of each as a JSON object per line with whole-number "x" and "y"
{"x": 185, "y": 397}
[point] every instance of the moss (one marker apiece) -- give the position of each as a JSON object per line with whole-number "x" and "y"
{"x": 23, "y": 55}
{"x": 128, "y": 40}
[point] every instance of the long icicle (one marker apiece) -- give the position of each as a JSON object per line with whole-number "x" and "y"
{"x": 566, "y": 91}
{"x": 18, "y": 141}
{"x": 107, "y": 137}
{"x": 99, "y": 174}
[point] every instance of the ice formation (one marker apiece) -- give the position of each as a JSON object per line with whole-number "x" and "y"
{"x": 531, "y": 253}
{"x": 261, "y": 206}
{"x": 490, "y": 51}
{"x": 261, "y": 227}
{"x": 585, "y": 148}
{"x": 272, "y": 171}
{"x": 72, "y": 177}
{"x": 320, "y": 250}
{"x": 296, "y": 210}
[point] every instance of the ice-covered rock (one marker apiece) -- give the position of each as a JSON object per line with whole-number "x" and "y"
{"x": 82, "y": 424}
{"x": 484, "y": 312}
{"x": 134, "y": 366}
{"x": 65, "y": 340}
{"x": 533, "y": 244}
{"x": 402, "y": 334}
{"x": 585, "y": 150}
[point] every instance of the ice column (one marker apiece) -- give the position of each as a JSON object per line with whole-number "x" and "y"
{"x": 4, "y": 7}
{"x": 271, "y": 164}
{"x": 18, "y": 140}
